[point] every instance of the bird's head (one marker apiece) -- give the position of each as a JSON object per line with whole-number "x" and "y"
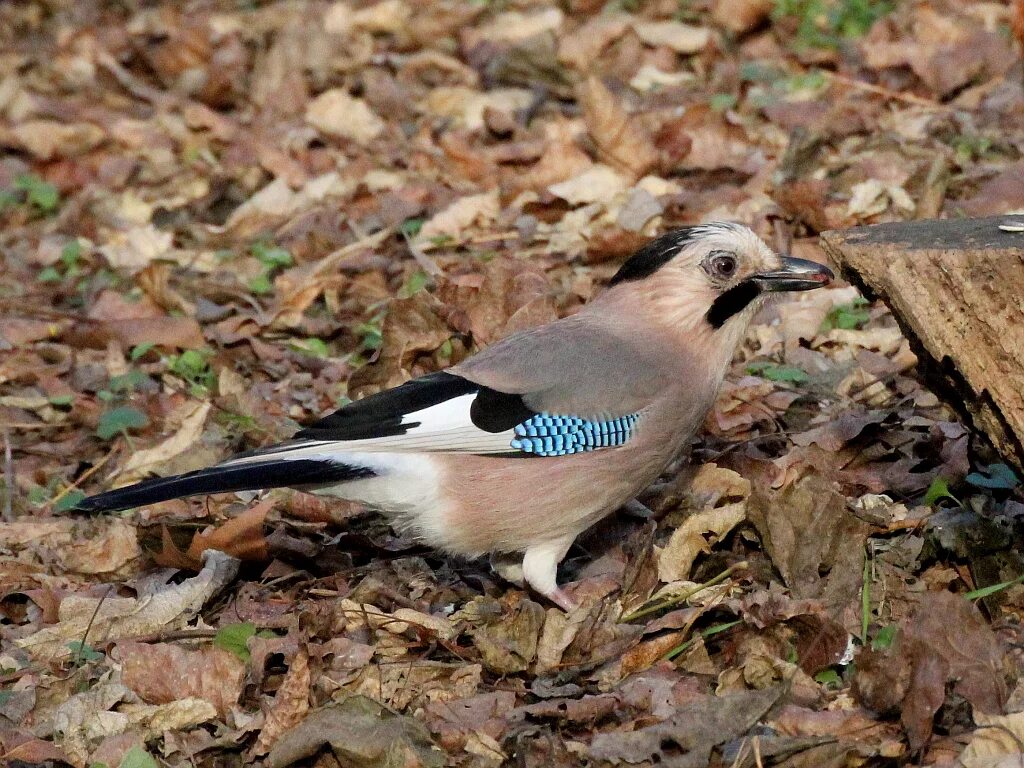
{"x": 713, "y": 277}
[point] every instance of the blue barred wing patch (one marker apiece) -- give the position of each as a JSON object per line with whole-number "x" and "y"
{"x": 549, "y": 435}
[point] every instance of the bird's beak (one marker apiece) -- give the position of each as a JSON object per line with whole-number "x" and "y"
{"x": 794, "y": 275}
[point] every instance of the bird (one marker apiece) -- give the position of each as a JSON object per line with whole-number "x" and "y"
{"x": 518, "y": 449}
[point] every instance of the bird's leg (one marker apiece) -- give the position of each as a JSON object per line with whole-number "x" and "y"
{"x": 540, "y": 570}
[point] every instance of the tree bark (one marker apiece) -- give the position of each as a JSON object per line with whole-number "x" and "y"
{"x": 956, "y": 287}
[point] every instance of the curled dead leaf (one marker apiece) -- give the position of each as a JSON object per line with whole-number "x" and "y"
{"x": 711, "y": 486}
{"x": 290, "y": 705}
{"x": 622, "y": 141}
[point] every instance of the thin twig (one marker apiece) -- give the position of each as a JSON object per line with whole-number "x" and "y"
{"x": 672, "y": 600}
{"x": 81, "y": 644}
{"x": 909, "y": 98}
{"x": 85, "y": 476}
{"x": 8, "y": 478}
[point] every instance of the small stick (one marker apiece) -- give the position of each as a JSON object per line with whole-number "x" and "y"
{"x": 85, "y": 476}
{"x": 8, "y": 478}
{"x": 894, "y": 95}
{"x": 676, "y": 599}
{"x": 81, "y": 644}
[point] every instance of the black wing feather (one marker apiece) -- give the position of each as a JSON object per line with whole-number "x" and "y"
{"x": 381, "y": 414}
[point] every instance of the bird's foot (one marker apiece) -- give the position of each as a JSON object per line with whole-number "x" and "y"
{"x": 562, "y": 599}
{"x": 540, "y": 566}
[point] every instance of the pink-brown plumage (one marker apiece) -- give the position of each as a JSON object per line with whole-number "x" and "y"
{"x": 441, "y": 455}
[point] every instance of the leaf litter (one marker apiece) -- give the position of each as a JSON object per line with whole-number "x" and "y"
{"x": 223, "y": 221}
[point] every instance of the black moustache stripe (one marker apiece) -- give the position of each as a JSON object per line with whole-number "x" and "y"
{"x": 732, "y": 302}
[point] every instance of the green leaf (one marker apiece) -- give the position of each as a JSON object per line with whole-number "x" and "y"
{"x": 826, "y": 23}
{"x": 137, "y": 757}
{"x": 140, "y": 350}
{"x": 41, "y": 194}
{"x": 939, "y": 489}
{"x": 69, "y": 501}
{"x": 233, "y": 638}
{"x": 829, "y": 678}
{"x": 720, "y": 102}
{"x": 119, "y": 420}
{"x": 126, "y": 382}
{"x": 8, "y": 199}
{"x": 62, "y": 400}
{"x": 271, "y": 256}
{"x": 981, "y": 592}
{"x": 774, "y": 372}
{"x": 193, "y": 365}
{"x": 884, "y": 638}
{"x": 312, "y": 346}
{"x": 417, "y": 281}
{"x": 261, "y": 285}
{"x": 411, "y": 227}
{"x": 848, "y": 317}
{"x": 759, "y": 72}
{"x": 372, "y": 335}
{"x": 49, "y": 275}
{"x": 84, "y": 651}
{"x": 71, "y": 253}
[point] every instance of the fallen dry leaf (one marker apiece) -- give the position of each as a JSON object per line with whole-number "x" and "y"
{"x": 160, "y": 673}
{"x": 681, "y": 38}
{"x": 115, "y": 618}
{"x": 621, "y": 139}
{"x": 459, "y": 216}
{"x": 946, "y": 641}
{"x": 87, "y": 718}
{"x": 106, "y": 546}
{"x": 191, "y": 421}
{"x": 998, "y": 741}
{"x": 688, "y": 737}
{"x": 360, "y": 732}
{"x": 741, "y": 16}
{"x": 336, "y": 113}
{"x": 290, "y": 704}
{"x": 49, "y": 139}
{"x": 508, "y": 641}
{"x": 722, "y": 495}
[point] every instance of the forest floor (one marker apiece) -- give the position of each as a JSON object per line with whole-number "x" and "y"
{"x": 221, "y": 219}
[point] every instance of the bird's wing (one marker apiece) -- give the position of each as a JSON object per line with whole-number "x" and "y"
{"x": 579, "y": 365}
{"x": 532, "y": 394}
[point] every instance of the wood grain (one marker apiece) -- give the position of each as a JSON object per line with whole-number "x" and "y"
{"x": 957, "y": 289}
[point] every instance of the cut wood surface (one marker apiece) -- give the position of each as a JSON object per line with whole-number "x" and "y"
{"x": 957, "y": 289}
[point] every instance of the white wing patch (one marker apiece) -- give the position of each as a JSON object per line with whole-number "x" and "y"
{"x": 442, "y": 416}
{"x": 445, "y": 427}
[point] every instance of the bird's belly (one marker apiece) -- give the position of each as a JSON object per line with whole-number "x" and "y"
{"x": 405, "y": 489}
{"x": 506, "y": 504}
{"x": 471, "y": 504}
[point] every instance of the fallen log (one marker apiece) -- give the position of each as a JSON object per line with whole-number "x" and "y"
{"x": 956, "y": 287}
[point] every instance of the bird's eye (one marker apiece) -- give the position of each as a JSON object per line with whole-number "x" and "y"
{"x": 722, "y": 264}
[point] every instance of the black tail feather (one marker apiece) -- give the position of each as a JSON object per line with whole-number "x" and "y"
{"x": 228, "y": 478}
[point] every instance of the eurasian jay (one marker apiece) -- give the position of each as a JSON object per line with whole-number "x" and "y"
{"x": 523, "y": 446}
